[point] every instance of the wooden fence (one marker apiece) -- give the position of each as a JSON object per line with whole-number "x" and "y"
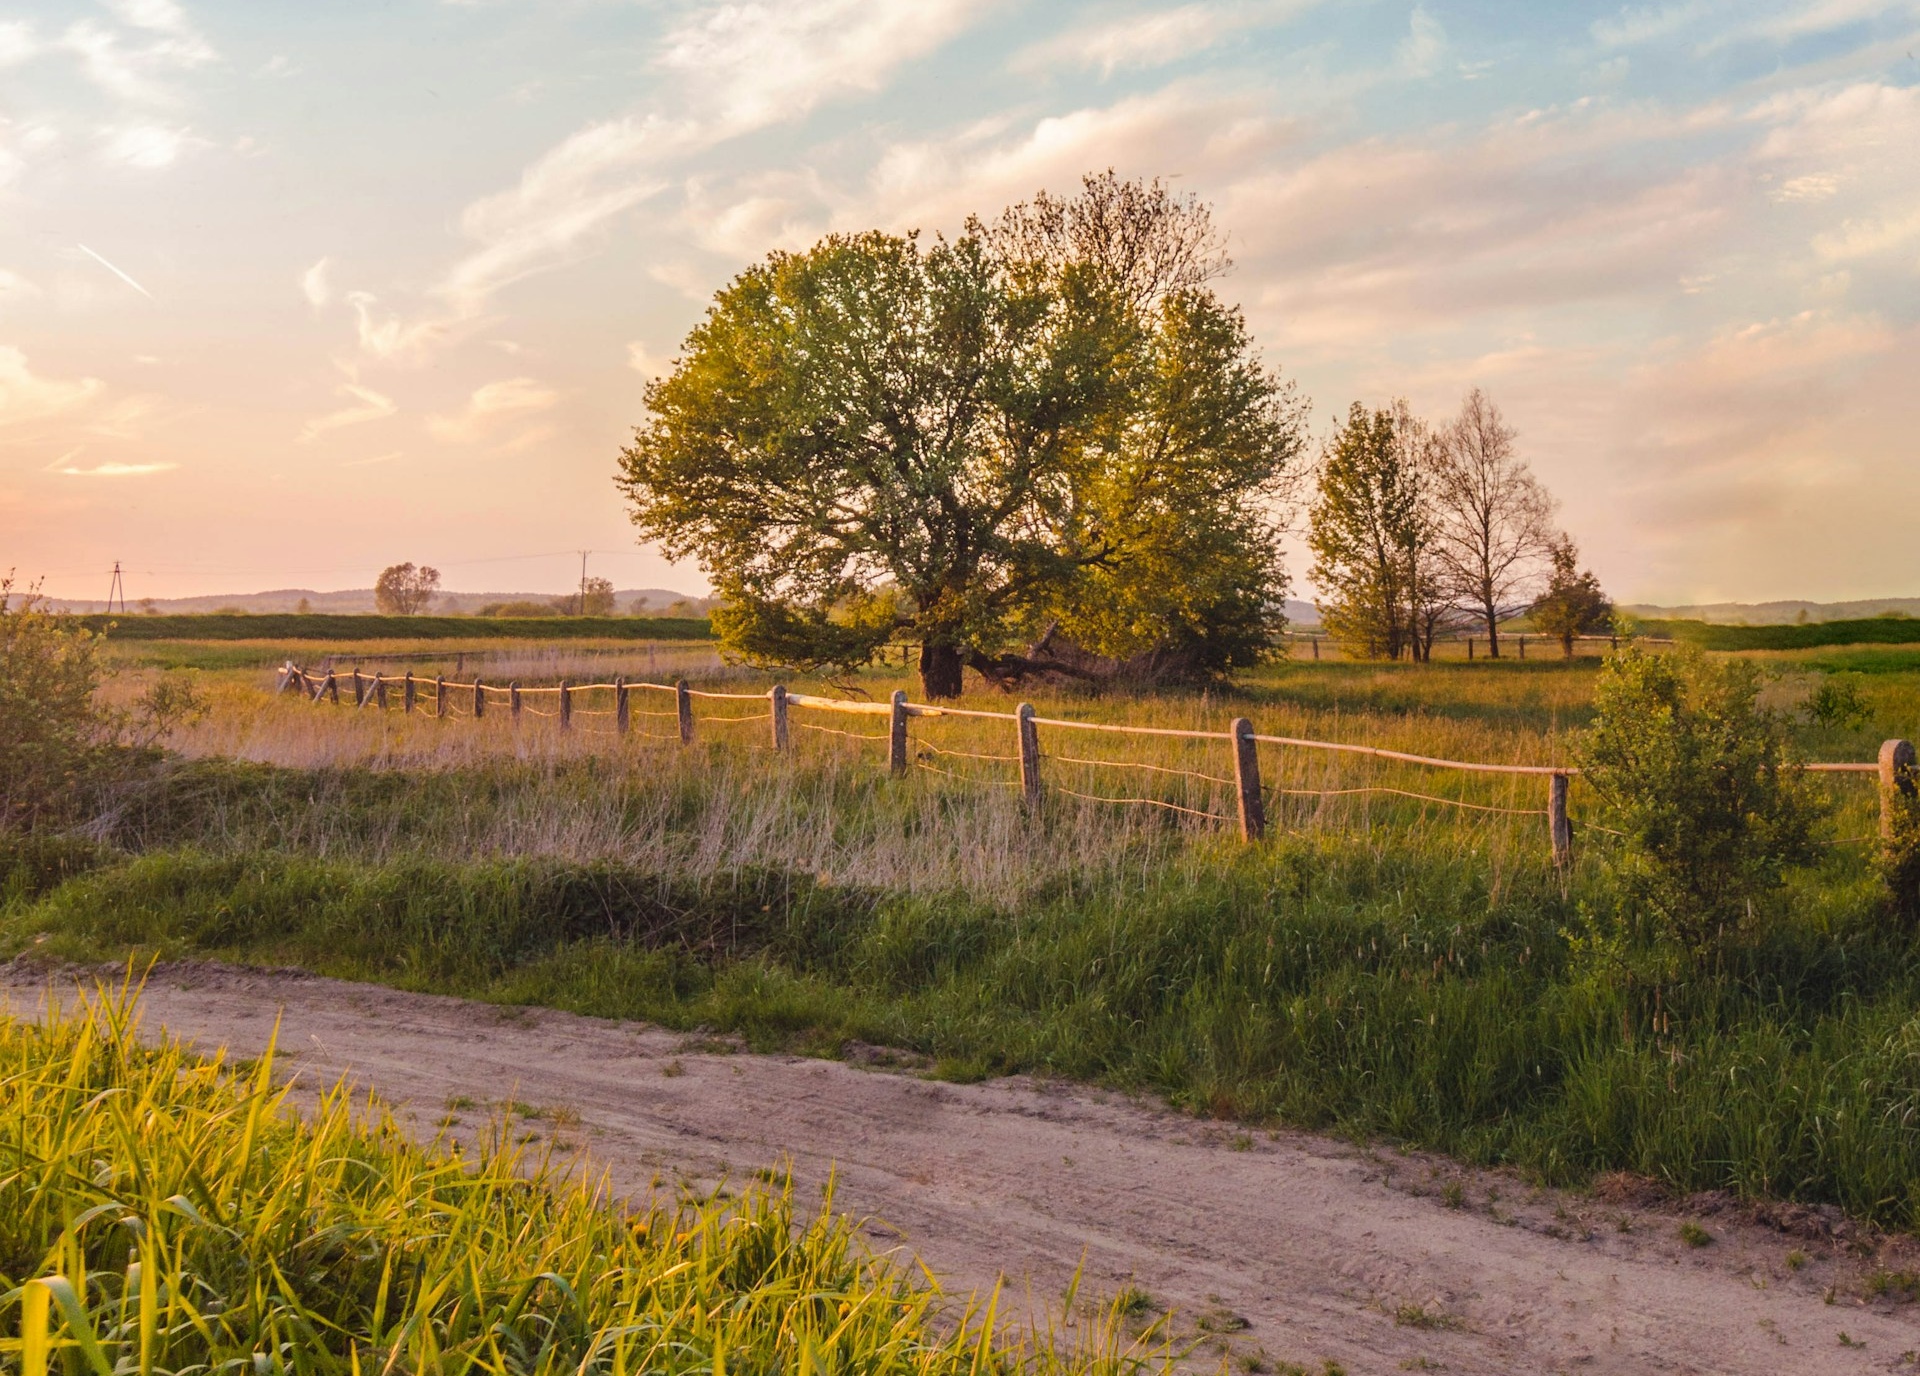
{"x": 1895, "y": 767}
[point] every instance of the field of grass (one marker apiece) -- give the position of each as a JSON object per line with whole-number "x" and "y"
{"x": 341, "y": 628}
{"x": 1872, "y": 630}
{"x": 160, "y": 1212}
{"x": 1381, "y": 965}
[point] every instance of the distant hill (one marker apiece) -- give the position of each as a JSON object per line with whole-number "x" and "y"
{"x": 1777, "y": 613}
{"x": 359, "y": 602}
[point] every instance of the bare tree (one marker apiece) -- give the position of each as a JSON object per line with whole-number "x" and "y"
{"x": 1149, "y": 241}
{"x": 1494, "y": 517}
{"x": 403, "y": 590}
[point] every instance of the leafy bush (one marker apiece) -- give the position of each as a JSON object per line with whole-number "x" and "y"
{"x": 1900, "y": 855}
{"x": 51, "y": 728}
{"x": 1701, "y": 781}
{"x": 1837, "y": 701}
{"x": 56, "y": 736}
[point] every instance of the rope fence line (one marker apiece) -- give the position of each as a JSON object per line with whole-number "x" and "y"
{"x": 907, "y": 750}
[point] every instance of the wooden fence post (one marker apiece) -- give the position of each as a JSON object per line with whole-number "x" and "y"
{"x": 566, "y": 706}
{"x": 1559, "y": 825}
{"x": 621, "y": 713}
{"x": 1316, "y": 649}
{"x": 439, "y": 695}
{"x": 683, "y": 705}
{"x": 897, "y": 733}
{"x": 407, "y": 693}
{"x": 380, "y": 691}
{"x": 1469, "y": 649}
{"x": 359, "y": 688}
{"x": 1523, "y": 647}
{"x": 1246, "y": 776}
{"x": 1898, "y": 773}
{"x": 777, "y": 696}
{"x": 513, "y": 701}
{"x": 333, "y": 687}
{"x": 1029, "y": 755}
{"x": 479, "y": 698}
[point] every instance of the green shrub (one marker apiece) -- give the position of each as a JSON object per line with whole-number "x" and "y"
{"x": 1900, "y": 856}
{"x": 52, "y": 731}
{"x": 1702, "y": 784}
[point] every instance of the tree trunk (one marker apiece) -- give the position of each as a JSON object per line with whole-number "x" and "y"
{"x": 1493, "y": 630}
{"x": 940, "y": 670}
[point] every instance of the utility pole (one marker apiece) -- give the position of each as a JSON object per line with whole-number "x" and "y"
{"x": 117, "y": 589}
{"x": 580, "y": 608}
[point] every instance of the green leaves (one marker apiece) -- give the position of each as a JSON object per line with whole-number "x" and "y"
{"x": 1702, "y": 783}
{"x": 983, "y": 445}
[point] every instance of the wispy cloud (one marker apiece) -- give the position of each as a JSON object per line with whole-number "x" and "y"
{"x": 372, "y": 406}
{"x": 738, "y": 68}
{"x": 493, "y": 405}
{"x": 1153, "y": 37}
{"x": 25, "y": 396}
{"x": 315, "y": 286}
{"x": 147, "y": 146}
{"x": 69, "y": 465}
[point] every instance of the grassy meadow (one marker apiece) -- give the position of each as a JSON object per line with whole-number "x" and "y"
{"x": 1384, "y": 965}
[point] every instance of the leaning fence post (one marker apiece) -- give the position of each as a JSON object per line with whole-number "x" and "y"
{"x": 1029, "y": 754}
{"x": 439, "y": 695}
{"x": 1246, "y": 776}
{"x": 777, "y": 696}
{"x": 1897, "y": 779}
{"x": 333, "y": 687}
{"x": 683, "y": 705}
{"x": 620, "y": 712}
{"x": 897, "y": 733}
{"x": 407, "y": 692}
{"x": 1559, "y": 825}
{"x": 566, "y": 706}
{"x": 513, "y": 700}
{"x": 479, "y": 698}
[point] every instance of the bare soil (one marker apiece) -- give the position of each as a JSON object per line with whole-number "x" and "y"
{"x": 1267, "y": 1247}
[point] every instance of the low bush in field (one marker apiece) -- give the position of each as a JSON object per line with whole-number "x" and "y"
{"x": 160, "y": 1213}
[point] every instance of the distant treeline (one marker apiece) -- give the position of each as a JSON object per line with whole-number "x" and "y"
{"x": 1873, "y": 630}
{"x": 319, "y": 626}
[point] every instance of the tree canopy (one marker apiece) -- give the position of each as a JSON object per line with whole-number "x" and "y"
{"x": 994, "y": 447}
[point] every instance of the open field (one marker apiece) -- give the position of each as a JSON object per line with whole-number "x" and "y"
{"x": 1385, "y": 965}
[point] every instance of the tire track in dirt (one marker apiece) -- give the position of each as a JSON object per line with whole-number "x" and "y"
{"x": 1273, "y": 1247}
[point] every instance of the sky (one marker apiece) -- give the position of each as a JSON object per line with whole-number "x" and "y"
{"x": 293, "y": 291}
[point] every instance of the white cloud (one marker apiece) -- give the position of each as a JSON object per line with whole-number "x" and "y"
{"x": 69, "y": 465}
{"x": 139, "y": 67}
{"x": 145, "y": 146}
{"x": 1815, "y": 186}
{"x": 15, "y": 288}
{"x": 25, "y": 397}
{"x": 647, "y": 363}
{"x": 314, "y": 285}
{"x": 1154, "y": 38}
{"x": 1425, "y": 46}
{"x": 372, "y": 406}
{"x": 18, "y": 43}
{"x": 492, "y": 405}
{"x": 741, "y": 67}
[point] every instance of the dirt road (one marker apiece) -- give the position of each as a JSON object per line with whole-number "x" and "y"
{"x": 1284, "y": 1247}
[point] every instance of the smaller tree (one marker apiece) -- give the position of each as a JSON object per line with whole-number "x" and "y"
{"x": 1492, "y": 514}
{"x": 596, "y": 597}
{"x": 1573, "y": 604}
{"x": 403, "y": 590}
{"x": 1701, "y": 783}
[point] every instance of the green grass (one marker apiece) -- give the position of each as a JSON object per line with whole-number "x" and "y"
{"x": 1382, "y": 967}
{"x": 1873, "y": 630}
{"x": 160, "y": 1212}
{"x": 323, "y": 627}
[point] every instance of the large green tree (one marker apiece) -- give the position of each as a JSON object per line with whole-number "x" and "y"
{"x": 963, "y": 444}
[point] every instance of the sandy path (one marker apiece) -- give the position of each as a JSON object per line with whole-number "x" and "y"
{"x": 1313, "y": 1245}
